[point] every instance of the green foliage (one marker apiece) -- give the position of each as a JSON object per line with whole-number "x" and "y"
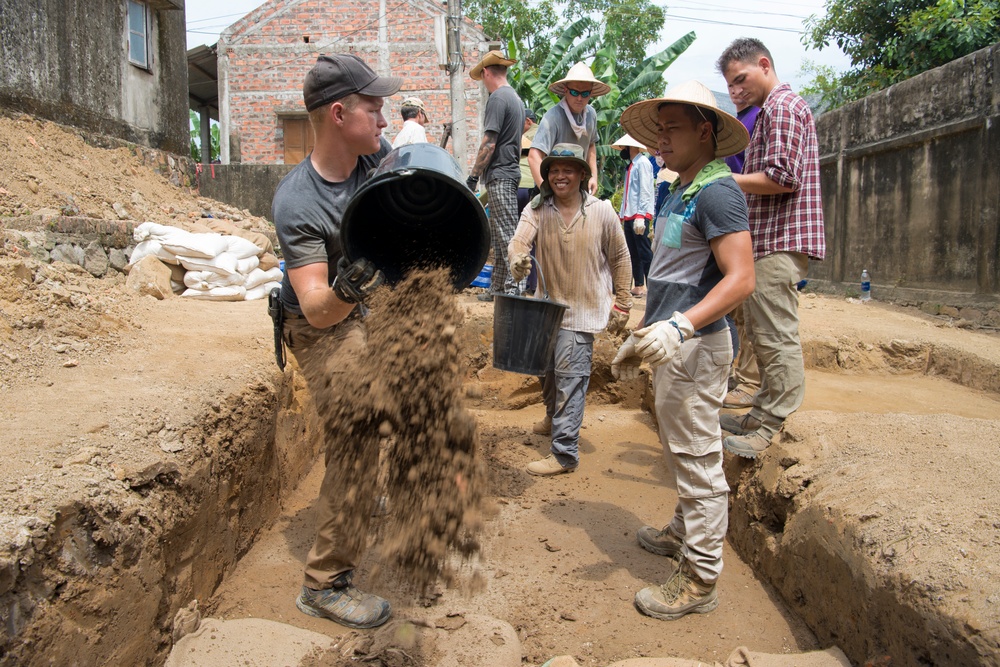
{"x": 195, "y": 128}
{"x": 505, "y": 20}
{"x": 892, "y": 40}
{"x": 634, "y": 25}
{"x": 628, "y": 85}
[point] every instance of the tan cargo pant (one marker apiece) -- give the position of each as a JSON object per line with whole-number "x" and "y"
{"x": 773, "y": 327}
{"x": 689, "y": 390}
{"x": 333, "y": 552}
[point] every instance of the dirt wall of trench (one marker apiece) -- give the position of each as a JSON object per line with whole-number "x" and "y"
{"x": 100, "y": 579}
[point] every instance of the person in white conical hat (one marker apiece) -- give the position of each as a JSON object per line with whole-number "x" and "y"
{"x": 636, "y": 212}
{"x": 702, "y": 268}
{"x": 572, "y": 121}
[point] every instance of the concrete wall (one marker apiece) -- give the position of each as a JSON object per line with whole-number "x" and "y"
{"x": 263, "y": 60}
{"x": 67, "y": 60}
{"x": 249, "y": 186}
{"x": 911, "y": 186}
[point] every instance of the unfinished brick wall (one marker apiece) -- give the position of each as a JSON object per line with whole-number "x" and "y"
{"x": 264, "y": 58}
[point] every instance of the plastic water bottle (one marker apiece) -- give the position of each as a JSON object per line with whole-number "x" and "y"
{"x": 866, "y": 286}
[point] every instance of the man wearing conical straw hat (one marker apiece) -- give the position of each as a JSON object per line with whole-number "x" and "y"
{"x": 702, "y": 268}
{"x": 571, "y": 121}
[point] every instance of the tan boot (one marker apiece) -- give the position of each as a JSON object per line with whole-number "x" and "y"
{"x": 749, "y": 446}
{"x": 684, "y": 593}
{"x": 543, "y": 427}
{"x": 548, "y": 466}
{"x": 738, "y": 398}
{"x": 660, "y": 542}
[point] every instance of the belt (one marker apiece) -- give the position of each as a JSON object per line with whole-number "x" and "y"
{"x": 354, "y": 315}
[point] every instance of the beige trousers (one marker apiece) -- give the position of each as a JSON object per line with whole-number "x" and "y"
{"x": 333, "y": 552}
{"x": 745, "y": 369}
{"x": 689, "y": 391}
{"x": 773, "y": 327}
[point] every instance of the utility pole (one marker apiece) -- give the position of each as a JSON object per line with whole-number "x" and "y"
{"x": 458, "y": 132}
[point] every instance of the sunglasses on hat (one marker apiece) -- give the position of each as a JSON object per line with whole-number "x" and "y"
{"x": 578, "y": 93}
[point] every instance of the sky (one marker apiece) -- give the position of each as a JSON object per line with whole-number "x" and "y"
{"x": 777, "y": 23}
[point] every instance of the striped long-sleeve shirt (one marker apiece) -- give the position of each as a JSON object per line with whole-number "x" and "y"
{"x": 585, "y": 265}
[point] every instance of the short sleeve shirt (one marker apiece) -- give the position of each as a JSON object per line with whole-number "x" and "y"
{"x": 679, "y": 278}
{"x": 505, "y": 117}
{"x": 555, "y": 129}
{"x": 307, "y": 211}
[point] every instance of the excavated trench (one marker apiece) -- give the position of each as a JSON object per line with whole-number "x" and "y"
{"x": 867, "y": 562}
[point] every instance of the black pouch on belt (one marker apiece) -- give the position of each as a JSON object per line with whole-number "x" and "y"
{"x": 277, "y": 313}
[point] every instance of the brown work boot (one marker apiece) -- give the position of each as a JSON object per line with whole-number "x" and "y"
{"x": 548, "y": 466}
{"x": 543, "y": 427}
{"x": 738, "y": 398}
{"x": 739, "y": 424}
{"x": 748, "y": 446}
{"x": 660, "y": 542}
{"x": 684, "y": 593}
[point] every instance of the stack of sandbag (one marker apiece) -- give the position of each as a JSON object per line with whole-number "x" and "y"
{"x": 213, "y": 266}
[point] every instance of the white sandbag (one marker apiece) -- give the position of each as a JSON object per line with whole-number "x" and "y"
{"x": 181, "y": 242}
{"x": 261, "y": 291}
{"x": 258, "y": 277}
{"x": 151, "y": 247}
{"x": 176, "y": 286}
{"x": 209, "y": 279}
{"x": 242, "y": 248}
{"x": 224, "y": 263}
{"x": 231, "y": 293}
{"x": 247, "y": 265}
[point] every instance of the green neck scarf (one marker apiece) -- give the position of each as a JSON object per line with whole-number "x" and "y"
{"x": 710, "y": 173}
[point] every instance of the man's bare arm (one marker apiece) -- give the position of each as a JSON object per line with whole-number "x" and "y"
{"x": 485, "y": 154}
{"x": 317, "y": 300}
{"x": 758, "y": 183}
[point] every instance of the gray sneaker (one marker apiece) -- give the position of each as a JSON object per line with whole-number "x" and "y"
{"x": 739, "y": 424}
{"x": 345, "y": 604}
{"x": 660, "y": 542}
{"x": 684, "y": 593}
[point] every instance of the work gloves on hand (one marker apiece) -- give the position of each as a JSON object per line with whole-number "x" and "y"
{"x": 472, "y": 182}
{"x": 655, "y": 344}
{"x": 617, "y": 321}
{"x": 520, "y": 266}
{"x": 639, "y": 226}
{"x": 356, "y": 281}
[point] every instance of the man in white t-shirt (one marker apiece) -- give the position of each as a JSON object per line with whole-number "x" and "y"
{"x": 414, "y": 118}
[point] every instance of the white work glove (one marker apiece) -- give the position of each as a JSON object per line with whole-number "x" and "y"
{"x": 639, "y": 226}
{"x": 625, "y": 365}
{"x": 658, "y": 343}
{"x": 617, "y": 320}
{"x": 520, "y": 266}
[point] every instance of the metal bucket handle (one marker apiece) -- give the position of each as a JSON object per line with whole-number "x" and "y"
{"x": 541, "y": 276}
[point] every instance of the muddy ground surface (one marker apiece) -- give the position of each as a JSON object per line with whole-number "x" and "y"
{"x": 105, "y": 397}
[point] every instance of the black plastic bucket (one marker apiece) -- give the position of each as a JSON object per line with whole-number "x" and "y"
{"x": 415, "y": 211}
{"x": 524, "y": 331}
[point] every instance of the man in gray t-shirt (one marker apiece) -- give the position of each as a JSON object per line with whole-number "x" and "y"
{"x": 571, "y": 121}
{"x": 321, "y": 294}
{"x": 497, "y": 162}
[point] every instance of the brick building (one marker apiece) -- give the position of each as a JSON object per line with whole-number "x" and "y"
{"x": 264, "y": 57}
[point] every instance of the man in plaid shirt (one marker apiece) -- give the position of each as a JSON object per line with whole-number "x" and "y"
{"x": 781, "y": 182}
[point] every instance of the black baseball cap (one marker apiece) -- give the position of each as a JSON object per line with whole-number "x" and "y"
{"x": 336, "y": 76}
{"x": 529, "y": 113}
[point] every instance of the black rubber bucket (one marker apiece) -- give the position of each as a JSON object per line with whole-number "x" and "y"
{"x": 415, "y": 211}
{"x": 524, "y": 331}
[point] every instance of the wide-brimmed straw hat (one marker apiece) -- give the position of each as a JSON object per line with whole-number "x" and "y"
{"x": 639, "y": 120}
{"x": 580, "y": 73}
{"x": 626, "y": 141}
{"x": 566, "y": 153}
{"x": 491, "y": 58}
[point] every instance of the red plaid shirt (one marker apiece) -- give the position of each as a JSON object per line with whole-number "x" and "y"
{"x": 784, "y": 147}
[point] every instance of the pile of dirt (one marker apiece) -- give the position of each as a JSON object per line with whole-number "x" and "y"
{"x": 404, "y": 397}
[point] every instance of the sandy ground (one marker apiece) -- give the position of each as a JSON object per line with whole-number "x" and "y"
{"x": 561, "y": 561}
